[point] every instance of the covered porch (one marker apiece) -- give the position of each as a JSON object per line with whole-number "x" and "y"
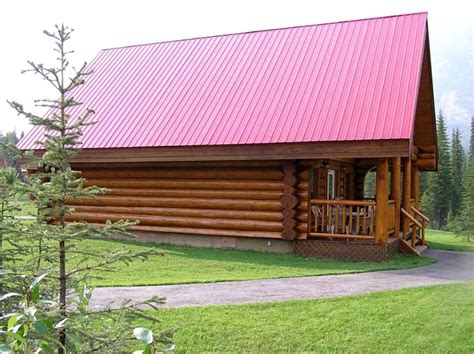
{"x": 392, "y": 214}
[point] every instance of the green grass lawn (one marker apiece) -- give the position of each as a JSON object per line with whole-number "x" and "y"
{"x": 448, "y": 241}
{"x": 180, "y": 265}
{"x": 420, "y": 320}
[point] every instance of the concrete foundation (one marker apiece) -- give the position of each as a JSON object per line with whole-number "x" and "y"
{"x": 202, "y": 241}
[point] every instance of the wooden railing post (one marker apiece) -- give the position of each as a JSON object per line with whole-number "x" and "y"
{"x": 381, "y": 216}
{"x": 424, "y": 221}
{"x": 310, "y": 217}
{"x": 423, "y": 232}
{"x": 406, "y": 193}
{"x": 396, "y": 167}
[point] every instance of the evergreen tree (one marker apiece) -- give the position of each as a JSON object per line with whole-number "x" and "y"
{"x": 458, "y": 164}
{"x": 436, "y": 202}
{"x": 464, "y": 225}
{"x": 471, "y": 141}
{"x": 7, "y": 141}
{"x": 8, "y": 207}
{"x": 369, "y": 185}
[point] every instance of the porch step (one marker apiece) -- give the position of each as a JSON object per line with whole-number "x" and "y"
{"x": 408, "y": 238}
{"x": 421, "y": 248}
{"x": 405, "y": 247}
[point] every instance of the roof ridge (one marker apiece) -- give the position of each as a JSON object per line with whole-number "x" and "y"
{"x": 264, "y": 30}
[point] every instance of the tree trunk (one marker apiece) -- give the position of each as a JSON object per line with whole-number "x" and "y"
{"x": 62, "y": 287}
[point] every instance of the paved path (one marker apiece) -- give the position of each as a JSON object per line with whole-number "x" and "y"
{"x": 451, "y": 267}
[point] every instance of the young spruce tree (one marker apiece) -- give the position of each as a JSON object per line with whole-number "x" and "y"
{"x": 59, "y": 255}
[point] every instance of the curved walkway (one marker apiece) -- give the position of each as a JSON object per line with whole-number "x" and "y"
{"x": 451, "y": 267}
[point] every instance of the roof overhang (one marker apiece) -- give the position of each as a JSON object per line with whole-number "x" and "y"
{"x": 256, "y": 152}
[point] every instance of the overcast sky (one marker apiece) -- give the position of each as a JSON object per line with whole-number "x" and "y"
{"x": 104, "y": 24}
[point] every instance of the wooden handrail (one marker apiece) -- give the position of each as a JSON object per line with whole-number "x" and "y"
{"x": 342, "y": 202}
{"x": 344, "y": 236}
{"x": 420, "y": 214}
{"x": 411, "y": 218}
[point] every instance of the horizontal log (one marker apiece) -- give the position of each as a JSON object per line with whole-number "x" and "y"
{"x": 428, "y": 156}
{"x": 205, "y": 232}
{"x": 303, "y": 185}
{"x": 303, "y": 206}
{"x": 210, "y": 232}
{"x": 199, "y": 203}
{"x": 302, "y": 217}
{"x": 426, "y": 148}
{"x": 302, "y": 196}
{"x": 257, "y": 173}
{"x": 289, "y": 190}
{"x": 302, "y": 236}
{"x": 429, "y": 164}
{"x": 188, "y": 184}
{"x": 198, "y": 193}
{"x": 303, "y": 175}
{"x": 302, "y": 227}
{"x": 156, "y": 220}
{"x": 184, "y": 212}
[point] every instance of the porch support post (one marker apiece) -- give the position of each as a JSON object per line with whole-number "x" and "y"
{"x": 406, "y": 193}
{"x": 415, "y": 186}
{"x": 381, "y": 215}
{"x": 396, "y": 166}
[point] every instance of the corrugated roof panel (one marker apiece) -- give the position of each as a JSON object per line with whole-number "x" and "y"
{"x": 353, "y": 80}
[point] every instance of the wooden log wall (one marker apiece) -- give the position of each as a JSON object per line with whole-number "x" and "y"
{"x": 344, "y": 179}
{"x": 244, "y": 201}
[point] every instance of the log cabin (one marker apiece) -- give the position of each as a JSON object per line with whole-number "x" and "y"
{"x": 262, "y": 140}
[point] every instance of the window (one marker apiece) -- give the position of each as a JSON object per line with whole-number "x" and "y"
{"x": 331, "y": 190}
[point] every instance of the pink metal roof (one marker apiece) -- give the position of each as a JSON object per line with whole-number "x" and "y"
{"x": 354, "y": 80}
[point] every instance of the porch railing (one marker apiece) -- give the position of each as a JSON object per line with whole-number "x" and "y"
{"x": 415, "y": 226}
{"x": 350, "y": 219}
